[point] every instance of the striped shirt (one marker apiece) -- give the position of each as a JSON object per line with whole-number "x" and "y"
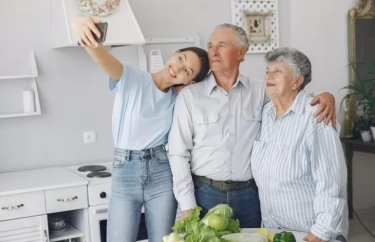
{"x": 300, "y": 170}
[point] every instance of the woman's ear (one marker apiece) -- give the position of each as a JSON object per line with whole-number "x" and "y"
{"x": 297, "y": 83}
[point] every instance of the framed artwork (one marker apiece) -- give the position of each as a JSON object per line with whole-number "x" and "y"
{"x": 260, "y": 21}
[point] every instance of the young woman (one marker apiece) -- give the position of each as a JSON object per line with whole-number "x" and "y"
{"x": 142, "y": 117}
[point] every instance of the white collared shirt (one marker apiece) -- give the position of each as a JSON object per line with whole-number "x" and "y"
{"x": 213, "y": 132}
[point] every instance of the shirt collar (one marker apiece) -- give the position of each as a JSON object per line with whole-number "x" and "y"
{"x": 299, "y": 103}
{"x": 298, "y": 106}
{"x": 211, "y": 82}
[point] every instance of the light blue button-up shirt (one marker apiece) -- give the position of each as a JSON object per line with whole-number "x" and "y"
{"x": 299, "y": 167}
{"x": 142, "y": 114}
{"x": 213, "y": 132}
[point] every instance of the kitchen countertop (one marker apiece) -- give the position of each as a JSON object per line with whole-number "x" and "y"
{"x": 37, "y": 180}
{"x": 298, "y": 235}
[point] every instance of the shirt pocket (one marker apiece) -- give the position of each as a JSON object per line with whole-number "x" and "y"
{"x": 289, "y": 162}
{"x": 252, "y": 113}
{"x": 207, "y": 128}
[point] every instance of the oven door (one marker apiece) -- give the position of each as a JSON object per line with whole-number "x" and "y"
{"x": 98, "y": 224}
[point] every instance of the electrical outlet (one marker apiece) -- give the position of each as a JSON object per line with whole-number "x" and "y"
{"x": 89, "y": 137}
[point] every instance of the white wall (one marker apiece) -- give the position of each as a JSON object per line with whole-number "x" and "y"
{"x": 74, "y": 92}
{"x": 319, "y": 29}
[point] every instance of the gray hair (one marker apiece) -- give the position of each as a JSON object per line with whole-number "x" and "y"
{"x": 241, "y": 36}
{"x": 298, "y": 62}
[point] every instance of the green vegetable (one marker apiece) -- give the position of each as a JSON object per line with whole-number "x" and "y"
{"x": 218, "y": 222}
{"x": 226, "y": 211}
{"x": 284, "y": 236}
{"x": 197, "y": 230}
{"x": 172, "y": 237}
{"x": 221, "y": 209}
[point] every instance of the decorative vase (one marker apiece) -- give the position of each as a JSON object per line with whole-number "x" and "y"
{"x": 359, "y": 125}
{"x": 366, "y": 135}
{"x": 373, "y": 131}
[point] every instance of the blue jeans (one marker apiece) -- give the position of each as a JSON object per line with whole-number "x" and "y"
{"x": 141, "y": 178}
{"x": 244, "y": 202}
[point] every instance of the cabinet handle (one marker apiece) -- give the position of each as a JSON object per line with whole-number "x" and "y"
{"x": 67, "y": 199}
{"x": 45, "y": 235}
{"x": 12, "y": 207}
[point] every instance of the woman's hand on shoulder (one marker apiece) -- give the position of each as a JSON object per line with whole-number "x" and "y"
{"x": 82, "y": 26}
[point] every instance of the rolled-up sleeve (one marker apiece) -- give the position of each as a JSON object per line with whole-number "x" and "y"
{"x": 180, "y": 144}
{"x": 329, "y": 172}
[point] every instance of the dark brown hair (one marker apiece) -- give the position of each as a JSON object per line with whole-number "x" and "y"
{"x": 203, "y": 57}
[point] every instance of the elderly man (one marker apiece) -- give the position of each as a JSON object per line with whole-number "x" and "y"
{"x": 214, "y": 126}
{"x": 298, "y": 163}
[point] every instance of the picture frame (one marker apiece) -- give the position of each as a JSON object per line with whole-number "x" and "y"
{"x": 260, "y": 21}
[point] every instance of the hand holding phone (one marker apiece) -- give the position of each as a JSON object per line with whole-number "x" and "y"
{"x": 102, "y": 28}
{"x": 87, "y": 29}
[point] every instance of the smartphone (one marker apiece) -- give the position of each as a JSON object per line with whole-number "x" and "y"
{"x": 102, "y": 27}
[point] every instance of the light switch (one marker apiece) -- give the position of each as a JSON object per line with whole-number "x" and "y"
{"x": 89, "y": 137}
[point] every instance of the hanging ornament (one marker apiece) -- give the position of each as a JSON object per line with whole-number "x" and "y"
{"x": 93, "y": 8}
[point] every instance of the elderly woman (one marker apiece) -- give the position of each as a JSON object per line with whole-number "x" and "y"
{"x": 298, "y": 163}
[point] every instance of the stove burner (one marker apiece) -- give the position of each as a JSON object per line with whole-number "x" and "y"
{"x": 92, "y": 168}
{"x": 99, "y": 174}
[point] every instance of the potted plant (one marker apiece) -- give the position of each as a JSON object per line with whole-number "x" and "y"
{"x": 362, "y": 91}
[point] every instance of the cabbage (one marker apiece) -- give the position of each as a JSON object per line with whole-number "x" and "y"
{"x": 197, "y": 230}
{"x": 221, "y": 209}
{"x": 226, "y": 211}
{"x": 172, "y": 237}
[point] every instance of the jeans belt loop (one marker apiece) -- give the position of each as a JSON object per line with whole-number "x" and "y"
{"x": 152, "y": 153}
{"x": 127, "y": 155}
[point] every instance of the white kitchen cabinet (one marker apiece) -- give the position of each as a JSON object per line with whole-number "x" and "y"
{"x": 123, "y": 28}
{"x": 30, "y": 229}
{"x": 65, "y": 199}
{"x": 29, "y": 198}
{"x": 22, "y": 205}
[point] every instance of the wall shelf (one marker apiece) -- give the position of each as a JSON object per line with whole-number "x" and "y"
{"x": 32, "y": 77}
{"x": 142, "y": 58}
{"x": 194, "y": 39}
{"x": 70, "y": 233}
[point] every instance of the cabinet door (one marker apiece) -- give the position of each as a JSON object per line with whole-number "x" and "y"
{"x": 32, "y": 229}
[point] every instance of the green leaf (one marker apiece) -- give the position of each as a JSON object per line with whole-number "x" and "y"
{"x": 221, "y": 209}
{"x": 188, "y": 223}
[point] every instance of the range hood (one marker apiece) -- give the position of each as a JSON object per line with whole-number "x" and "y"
{"x": 123, "y": 28}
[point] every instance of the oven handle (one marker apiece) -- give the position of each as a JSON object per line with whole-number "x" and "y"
{"x": 103, "y": 210}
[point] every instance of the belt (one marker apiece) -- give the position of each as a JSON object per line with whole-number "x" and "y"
{"x": 225, "y": 185}
{"x": 143, "y": 152}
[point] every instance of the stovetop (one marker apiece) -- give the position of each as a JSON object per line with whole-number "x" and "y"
{"x": 96, "y": 173}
